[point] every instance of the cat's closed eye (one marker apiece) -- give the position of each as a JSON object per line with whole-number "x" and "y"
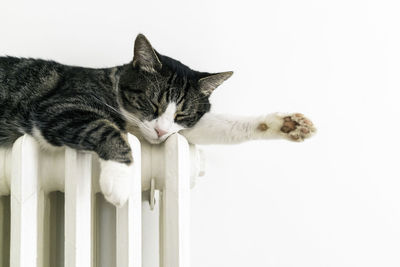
{"x": 181, "y": 116}
{"x": 155, "y": 107}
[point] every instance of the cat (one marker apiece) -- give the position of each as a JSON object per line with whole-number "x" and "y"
{"x": 153, "y": 96}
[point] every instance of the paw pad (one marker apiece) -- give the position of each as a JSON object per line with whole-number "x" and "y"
{"x": 288, "y": 125}
{"x": 262, "y": 127}
{"x": 297, "y": 127}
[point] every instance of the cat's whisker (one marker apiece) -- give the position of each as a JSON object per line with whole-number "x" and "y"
{"x": 137, "y": 122}
{"x": 131, "y": 118}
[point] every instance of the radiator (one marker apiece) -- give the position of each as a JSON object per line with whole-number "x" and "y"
{"x": 51, "y": 209}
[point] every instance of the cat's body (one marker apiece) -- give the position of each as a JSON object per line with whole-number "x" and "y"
{"x": 38, "y": 95}
{"x": 93, "y": 109}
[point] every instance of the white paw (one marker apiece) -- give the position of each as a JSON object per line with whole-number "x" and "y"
{"x": 115, "y": 180}
{"x": 296, "y": 127}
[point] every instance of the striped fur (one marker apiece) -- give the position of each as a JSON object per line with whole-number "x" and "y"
{"x": 92, "y": 109}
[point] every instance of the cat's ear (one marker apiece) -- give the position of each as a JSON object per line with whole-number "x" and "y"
{"x": 208, "y": 84}
{"x": 144, "y": 55}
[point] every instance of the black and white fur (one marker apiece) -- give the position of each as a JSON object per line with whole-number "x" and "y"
{"x": 153, "y": 96}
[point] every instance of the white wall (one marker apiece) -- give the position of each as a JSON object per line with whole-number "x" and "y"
{"x": 331, "y": 201}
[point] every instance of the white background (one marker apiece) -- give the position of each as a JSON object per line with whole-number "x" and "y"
{"x": 333, "y": 200}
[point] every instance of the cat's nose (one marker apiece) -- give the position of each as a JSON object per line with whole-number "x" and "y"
{"x": 160, "y": 132}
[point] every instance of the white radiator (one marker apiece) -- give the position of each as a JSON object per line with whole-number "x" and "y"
{"x": 43, "y": 228}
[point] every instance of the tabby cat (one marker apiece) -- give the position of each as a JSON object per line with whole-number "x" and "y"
{"x": 153, "y": 96}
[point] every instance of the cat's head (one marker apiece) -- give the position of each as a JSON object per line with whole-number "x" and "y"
{"x": 160, "y": 95}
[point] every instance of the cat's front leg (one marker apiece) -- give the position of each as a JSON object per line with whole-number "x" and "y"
{"x": 92, "y": 133}
{"x": 116, "y": 165}
{"x": 227, "y": 129}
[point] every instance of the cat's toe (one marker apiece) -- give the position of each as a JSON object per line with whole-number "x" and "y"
{"x": 297, "y": 127}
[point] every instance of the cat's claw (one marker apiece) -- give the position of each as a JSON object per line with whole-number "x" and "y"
{"x": 115, "y": 181}
{"x": 297, "y": 127}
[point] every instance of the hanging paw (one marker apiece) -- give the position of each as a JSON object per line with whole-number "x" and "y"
{"x": 115, "y": 180}
{"x": 296, "y": 127}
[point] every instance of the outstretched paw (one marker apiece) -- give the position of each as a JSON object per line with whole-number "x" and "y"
{"x": 297, "y": 127}
{"x": 115, "y": 181}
